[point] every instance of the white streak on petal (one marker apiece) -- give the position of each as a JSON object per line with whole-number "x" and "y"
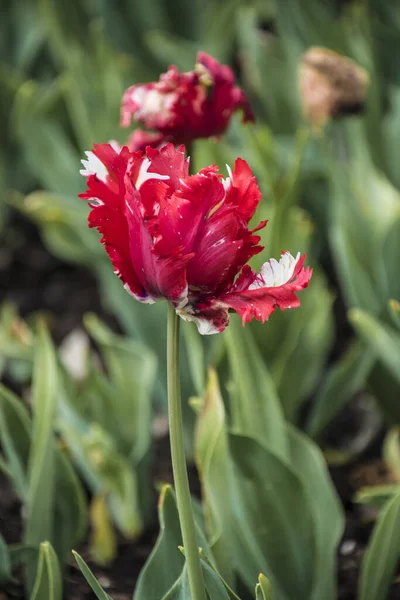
{"x": 116, "y": 146}
{"x": 274, "y": 273}
{"x": 181, "y": 302}
{"x": 94, "y": 166}
{"x": 204, "y": 326}
{"x": 147, "y": 300}
{"x": 128, "y": 206}
{"x": 227, "y": 182}
{"x": 144, "y": 175}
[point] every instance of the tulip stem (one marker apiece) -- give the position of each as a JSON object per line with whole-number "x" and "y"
{"x": 181, "y": 481}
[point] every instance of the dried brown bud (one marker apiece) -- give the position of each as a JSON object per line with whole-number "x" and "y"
{"x": 331, "y": 85}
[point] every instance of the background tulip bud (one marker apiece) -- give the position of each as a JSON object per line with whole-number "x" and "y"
{"x": 331, "y": 85}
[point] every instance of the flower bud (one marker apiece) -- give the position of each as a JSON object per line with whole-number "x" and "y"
{"x": 331, "y": 86}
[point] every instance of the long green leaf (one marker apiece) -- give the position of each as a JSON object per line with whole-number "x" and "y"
{"x": 216, "y": 587}
{"x": 212, "y": 458}
{"x": 274, "y": 521}
{"x": 382, "y": 555}
{"x": 342, "y": 381}
{"x": 165, "y": 563}
{"x": 41, "y": 469}
{"x": 48, "y": 583}
{"x": 164, "y": 566}
{"x": 15, "y": 438}
{"x": 90, "y": 578}
{"x": 255, "y": 407}
{"x": 308, "y": 462}
{"x": 132, "y": 370}
{"x": 70, "y": 511}
{"x": 383, "y": 340}
{"x": 5, "y": 561}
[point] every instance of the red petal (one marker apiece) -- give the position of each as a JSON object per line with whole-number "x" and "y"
{"x": 161, "y": 275}
{"x": 260, "y": 303}
{"x": 109, "y": 217}
{"x": 217, "y": 250}
{"x": 208, "y": 319}
{"x": 168, "y": 161}
{"x": 244, "y": 191}
{"x": 183, "y": 217}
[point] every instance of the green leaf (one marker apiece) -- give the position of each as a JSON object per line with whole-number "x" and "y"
{"x": 344, "y": 379}
{"x": 364, "y": 213}
{"x": 383, "y": 340}
{"x": 132, "y": 368}
{"x": 274, "y": 521}
{"x": 391, "y": 451}
{"x": 391, "y": 252}
{"x": 304, "y": 337}
{"x": 48, "y": 583}
{"x": 212, "y": 459}
{"x": 216, "y": 587}
{"x": 20, "y": 553}
{"x": 116, "y": 478}
{"x": 255, "y": 407}
{"x": 165, "y": 563}
{"x": 15, "y": 438}
{"x": 41, "y": 469}
{"x": 382, "y": 554}
{"x": 5, "y": 562}
{"x": 384, "y": 387}
{"x": 376, "y": 496}
{"x": 90, "y": 578}
{"x": 308, "y": 462}
{"x": 180, "y": 589}
{"x": 209, "y": 569}
{"x": 263, "y": 588}
{"x": 69, "y": 516}
{"x": 162, "y": 573}
{"x": 70, "y": 510}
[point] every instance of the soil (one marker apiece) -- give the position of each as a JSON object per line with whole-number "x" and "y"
{"x": 35, "y": 280}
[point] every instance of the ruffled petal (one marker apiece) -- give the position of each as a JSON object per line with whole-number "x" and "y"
{"x": 170, "y": 163}
{"x": 243, "y": 190}
{"x": 107, "y": 196}
{"x": 217, "y": 251}
{"x": 162, "y": 275}
{"x": 258, "y": 302}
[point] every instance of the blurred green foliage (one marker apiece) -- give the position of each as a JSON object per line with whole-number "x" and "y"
{"x": 335, "y": 194}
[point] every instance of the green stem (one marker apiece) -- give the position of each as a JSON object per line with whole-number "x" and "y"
{"x": 181, "y": 481}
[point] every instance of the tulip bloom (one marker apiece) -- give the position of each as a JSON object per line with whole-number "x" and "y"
{"x": 186, "y": 238}
{"x": 182, "y": 107}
